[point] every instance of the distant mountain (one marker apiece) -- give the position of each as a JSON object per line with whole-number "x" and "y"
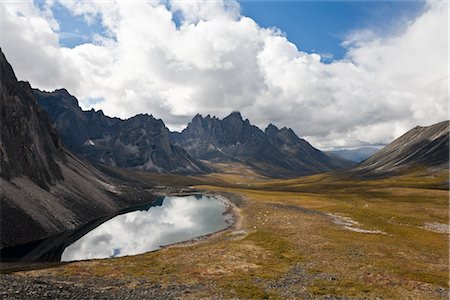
{"x": 420, "y": 147}
{"x": 273, "y": 152}
{"x": 141, "y": 142}
{"x": 45, "y": 190}
{"x": 354, "y": 155}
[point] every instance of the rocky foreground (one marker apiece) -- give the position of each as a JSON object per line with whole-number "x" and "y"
{"x": 59, "y": 287}
{"x": 291, "y": 286}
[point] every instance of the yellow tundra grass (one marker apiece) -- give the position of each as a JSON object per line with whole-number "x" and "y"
{"x": 310, "y": 237}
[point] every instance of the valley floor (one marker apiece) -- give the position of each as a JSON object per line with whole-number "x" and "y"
{"x": 315, "y": 237}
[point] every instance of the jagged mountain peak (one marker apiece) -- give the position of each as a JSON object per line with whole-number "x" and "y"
{"x": 145, "y": 119}
{"x": 288, "y": 132}
{"x": 271, "y": 128}
{"x": 6, "y": 71}
{"x": 198, "y": 118}
{"x": 285, "y": 133}
{"x": 61, "y": 95}
{"x": 234, "y": 115}
{"x": 62, "y": 91}
{"x": 99, "y": 112}
{"x": 140, "y": 142}
{"x": 274, "y": 152}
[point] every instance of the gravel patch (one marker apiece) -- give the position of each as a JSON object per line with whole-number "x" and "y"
{"x": 350, "y": 224}
{"x": 21, "y": 287}
{"x": 436, "y": 227}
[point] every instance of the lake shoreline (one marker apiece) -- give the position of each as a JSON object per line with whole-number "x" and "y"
{"x": 230, "y": 208}
{"x": 235, "y": 222}
{"x": 54, "y": 241}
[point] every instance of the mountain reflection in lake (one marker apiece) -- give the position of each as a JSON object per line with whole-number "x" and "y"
{"x": 177, "y": 219}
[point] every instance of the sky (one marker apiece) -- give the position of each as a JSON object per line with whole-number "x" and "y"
{"x": 342, "y": 74}
{"x": 321, "y": 26}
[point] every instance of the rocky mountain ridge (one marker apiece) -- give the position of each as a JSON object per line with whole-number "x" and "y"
{"x": 145, "y": 143}
{"x": 273, "y": 152}
{"x": 418, "y": 148}
{"x": 140, "y": 142}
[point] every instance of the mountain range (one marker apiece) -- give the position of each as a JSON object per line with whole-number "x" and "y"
{"x": 353, "y": 155}
{"x": 273, "y": 152}
{"x": 208, "y": 143}
{"x": 145, "y": 143}
{"x": 141, "y": 142}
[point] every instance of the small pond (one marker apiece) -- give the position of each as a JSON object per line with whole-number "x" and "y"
{"x": 175, "y": 220}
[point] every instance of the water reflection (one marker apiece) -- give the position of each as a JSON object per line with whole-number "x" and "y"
{"x": 177, "y": 219}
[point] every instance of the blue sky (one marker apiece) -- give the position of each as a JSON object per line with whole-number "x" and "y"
{"x": 314, "y": 26}
{"x": 74, "y": 30}
{"x": 321, "y": 26}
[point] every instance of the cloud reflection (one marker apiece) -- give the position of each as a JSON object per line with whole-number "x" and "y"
{"x": 178, "y": 219}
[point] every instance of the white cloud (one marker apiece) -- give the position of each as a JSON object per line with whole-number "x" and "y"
{"x": 218, "y": 61}
{"x": 178, "y": 219}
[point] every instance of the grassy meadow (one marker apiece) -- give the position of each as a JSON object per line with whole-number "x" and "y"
{"x": 311, "y": 237}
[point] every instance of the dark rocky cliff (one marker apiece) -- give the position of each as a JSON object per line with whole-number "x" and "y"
{"x": 29, "y": 144}
{"x": 45, "y": 189}
{"x": 141, "y": 142}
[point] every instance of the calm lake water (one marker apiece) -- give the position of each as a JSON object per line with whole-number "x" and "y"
{"x": 177, "y": 219}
